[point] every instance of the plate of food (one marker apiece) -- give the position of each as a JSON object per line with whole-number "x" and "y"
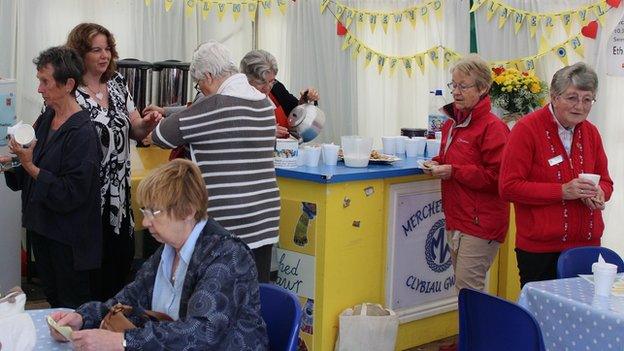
{"x": 422, "y": 164}
{"x": 376, "y": 157}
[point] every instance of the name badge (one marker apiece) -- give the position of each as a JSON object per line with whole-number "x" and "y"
{"x": 555, "y": 160}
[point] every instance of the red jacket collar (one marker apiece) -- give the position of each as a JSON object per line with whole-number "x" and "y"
{"x": 482, "y": 108}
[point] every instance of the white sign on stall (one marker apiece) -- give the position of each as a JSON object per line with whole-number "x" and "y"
{"x": 296, "y": 272}
{"x": 419, "y": 276}
{"x": 615, "y": 51}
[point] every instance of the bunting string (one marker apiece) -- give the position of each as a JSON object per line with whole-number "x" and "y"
{"x": 235, "y": 7}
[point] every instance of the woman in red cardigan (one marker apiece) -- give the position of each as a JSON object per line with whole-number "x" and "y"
{"x": 547, "y": 150}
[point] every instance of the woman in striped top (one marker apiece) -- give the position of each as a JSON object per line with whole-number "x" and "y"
{"x": 231, "y": 134}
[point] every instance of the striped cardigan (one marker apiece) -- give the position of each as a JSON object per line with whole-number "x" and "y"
{"x": 232, "y": 140}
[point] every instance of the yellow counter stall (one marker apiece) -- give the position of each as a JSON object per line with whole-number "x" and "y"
{"x": 374, "y": 234}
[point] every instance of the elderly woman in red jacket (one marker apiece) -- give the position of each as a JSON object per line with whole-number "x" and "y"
{"x": 546, "y": 152}
{"x": 468, "y": 164}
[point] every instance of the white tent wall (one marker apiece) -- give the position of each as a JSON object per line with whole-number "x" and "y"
{"x": 503, "y": 44}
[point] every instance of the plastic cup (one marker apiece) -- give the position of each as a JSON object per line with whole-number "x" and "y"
{"x": 438, "y": 135}
{"x": 421, "y": 144}
{"x": 401, "y": 144}
{"x": 433, "y": 147}
{"x": 330, "y": 154}
{"x": 604, "y": 276}
{"x": 594, "y": 178}
{"x": 411, "y": 147}
{"x": 356, "y": 150}
{"x": 312, "y": 156}
{"x": 301, "y": 157}
{"x": 389, "y": 145}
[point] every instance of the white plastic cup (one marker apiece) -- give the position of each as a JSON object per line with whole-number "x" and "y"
{"x": 330, "y": 154}
{"x": 389, "y": 145}
{"x": 433, "y": 147}
{"x": 356, "y": 150}
{"x": 594, "y": 178}
{"x": 604, "y": 276}
{"x": 411, "y": 147}
{"x": 24, "y": 134}
{"x": 438, "y": 135}
{"x": 312, "y": 156}
{"x": 301, "y": 156}
{"x": 401, "y": 144}
{"x": 421, "y": 144}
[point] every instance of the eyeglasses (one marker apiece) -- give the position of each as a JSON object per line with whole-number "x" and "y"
{"x": 150, "y": 214}
{"x": 462, "y": 87}
{"x": 260, "y": 83}
{"x": 574, "y": 100}
{"x": 197, "y": 87}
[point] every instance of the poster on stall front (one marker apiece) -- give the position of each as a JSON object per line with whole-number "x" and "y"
{"x": 615, "y": 51}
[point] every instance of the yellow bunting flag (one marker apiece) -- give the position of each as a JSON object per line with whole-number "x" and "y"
{"x": 368, "y": 57}
{"x": 236, "y": 11}
{"x": 600, "y": 10}
{"x": 381, "y": 61}
{"x": 220, "y": 10}
{"x": 168, "y": 4}
{"x": 356, "y": 51}
{"x": 437, "y": 9}
{"x": 491, "y": 10}
{"x": 385, "y": 18}
{"x": 324, "y": 4}
{"x": 548, "y": 25}
{"x": 566, "y": 21}
{"x": 398, "y": 19}
{"x": 582, "y": 16}
{"x": 433, "y": 56}
{"x": 517, "y": 64}
{"x": 529, "y": 64}
{"x": 562, "y": 54}
{"x": 348, "y": 18}
{"x": 339, "y": 11}
{"x": 518, "y": 19}
{"x": 476, "y": 4}
{"x": 392, "y": 66}
{"x": 189, "y": 7}
{"x": 266, "y": 6}
{"x": 407, "y": 63}
{"x": 411, "y": 15}
{"x": 252, "y": 7}
{"x": 360, "y": 19}
{"x": 148, "y": 2}
{"x": 205, "y": 7}
{"x": 543, "y": 45}
{"x": 533, "y": 24}
{"x": 347, "y": 42}
{"x": 372, "y": 20}
{"x": 424, "y": 14}
{"x": 448, "y": 58}
{"x": 281, "y": 4}
{"x": 502, "y": 17}
{"x": 420, "y": 61}
{"x": 577, "y": 46}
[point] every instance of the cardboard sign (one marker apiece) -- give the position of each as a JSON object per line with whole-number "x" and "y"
{"x": 296, "y": 272}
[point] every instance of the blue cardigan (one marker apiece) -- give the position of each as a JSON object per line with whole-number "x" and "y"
{"x": 219, "y": 307}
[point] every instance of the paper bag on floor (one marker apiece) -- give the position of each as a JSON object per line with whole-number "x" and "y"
{"x": 17, "y": 331}
{"x": 367, "y": 327}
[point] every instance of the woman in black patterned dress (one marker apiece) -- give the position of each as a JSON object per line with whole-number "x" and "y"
{"x": 105, "y": 95}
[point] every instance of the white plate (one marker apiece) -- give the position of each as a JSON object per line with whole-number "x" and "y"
{"x": 421, "y": 164}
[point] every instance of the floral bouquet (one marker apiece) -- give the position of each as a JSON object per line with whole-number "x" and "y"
{"x": 518, "y": 93}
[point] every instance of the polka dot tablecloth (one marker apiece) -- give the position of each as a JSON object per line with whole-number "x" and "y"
{"x": 44, "y": 340}
{"x": 572, "y": 318}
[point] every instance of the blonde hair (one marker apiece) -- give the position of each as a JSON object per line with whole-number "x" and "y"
{"x": 176, "y": 187}
{"x": 473, "y": 65}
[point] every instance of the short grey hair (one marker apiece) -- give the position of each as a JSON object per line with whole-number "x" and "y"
{"x": 257, "y": 63}
{"x": 579, "y": 75}
{"x": 473, "y": 65}
{"x": 214, "y": 58}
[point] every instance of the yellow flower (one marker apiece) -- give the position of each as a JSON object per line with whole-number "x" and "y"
{"x": 535, "y": 88}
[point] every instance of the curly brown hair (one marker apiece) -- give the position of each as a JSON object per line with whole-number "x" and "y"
{"x": 81, "y": 37}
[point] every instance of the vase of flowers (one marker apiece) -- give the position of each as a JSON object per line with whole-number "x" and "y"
{"x": 516, "y": 93}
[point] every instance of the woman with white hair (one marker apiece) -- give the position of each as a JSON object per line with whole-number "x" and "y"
{"x": 231, "y": 133}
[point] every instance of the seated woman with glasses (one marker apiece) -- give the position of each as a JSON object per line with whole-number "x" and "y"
{"x": 261, "y": 68}
{"x": 202, "y": 277}
{"x": 470, "y": 154}
{"x": 547, "y": 150}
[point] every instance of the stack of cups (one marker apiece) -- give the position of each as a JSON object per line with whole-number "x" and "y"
{"x": 389, "y": 145}
{"x": 433, "y": 147}
{"x": 415, "y": 147}
{"x": 401, "y": 144}
{"x": 312, "y": 156}
{"x": 330, "y": 154}
{"x": 604, "y": 276}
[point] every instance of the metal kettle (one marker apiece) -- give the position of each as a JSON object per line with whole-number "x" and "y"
{"x": 307, "y": 120}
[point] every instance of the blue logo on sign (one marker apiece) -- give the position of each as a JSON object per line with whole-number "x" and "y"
{"x": 437, "y": 251}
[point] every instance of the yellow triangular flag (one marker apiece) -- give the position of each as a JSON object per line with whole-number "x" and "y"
{"x": 533, "y": 23}
{"x": 433, "y": 56}
{"x": 476, "y": 4}
{"x": 562, "y": 54}
{"x": 518, "y": 20}
{"x": 582, "y": 16}
{"x": 448, "y": 57}
{"x": 529, "y": 64}
{"x": 543, "y": 45}
{"x": 348, "y": 18}
{"x": 600, "y": 10}
{"x": 205, "y": 8}
{"x": 368, "y": 58}
{"x": 502, "y": 17}
{"x": 566, "y": 21}
{"x": 266, "y": 6}
{"x": 360, "y": 19}
{"x": 491, "y": 10}
{"x": 236, "y": 11}
{"x": 398, "y": 19}
{"x": 281, "y": 5}
{"x": 411, "y": 15}
{"x": 347, "y": 42}
{"x": 340, "y": 9}
{"x": 252, "y": 8}
{"x": 407, "y": 63}
{"x": 324, "y": 4}
{"x": 372, "y": 20}
{"x": 168, "y": 4}
{"x": 385, "y": 18}
{"x": 381, "y": 62}
{"x": 424, "y": 14}
{"x": 420, "y": 61}
{"x": 189, "y": 7}
{"x": 577, "y": 46}
{"x": 517, "y": 64}
{"x": 356, "y": 51}
{"x": 220, "y": 10}
{"x": 437, "y": 9}
{"x": 548, "y": 25}
{"x": 148, "y": 2}
{"x": 392, "y": 65}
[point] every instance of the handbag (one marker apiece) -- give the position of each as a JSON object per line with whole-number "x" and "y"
{"x": 116, "y": 320}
